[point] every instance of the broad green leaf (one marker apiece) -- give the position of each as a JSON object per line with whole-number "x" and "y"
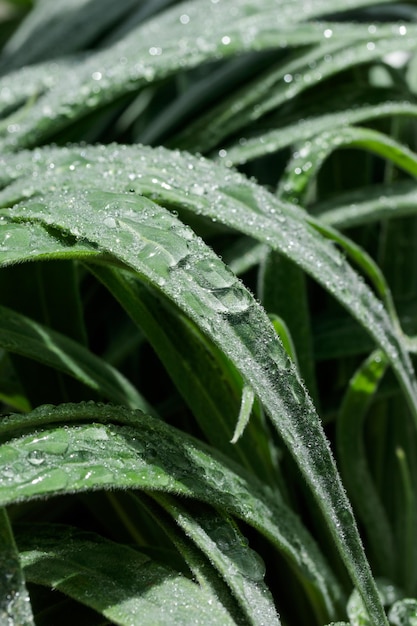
{"x": 15, "y": 607}
{"x": 120, "y": 583}
{"x": 353, "y": 463}
{"x": 24, "y": 336}
{"x": 148, "y": 454}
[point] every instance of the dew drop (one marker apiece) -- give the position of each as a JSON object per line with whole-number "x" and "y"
{"x": 35, "y": 457}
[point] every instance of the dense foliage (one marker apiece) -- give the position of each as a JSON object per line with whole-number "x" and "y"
{"x": 208, "y": 312}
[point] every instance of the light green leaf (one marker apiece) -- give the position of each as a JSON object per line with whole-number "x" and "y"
{"x": 248, "y": 397}
{"x": 120, "y": 583}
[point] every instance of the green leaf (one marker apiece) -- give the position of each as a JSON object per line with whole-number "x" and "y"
{"x": 120, "y": 583}
{"x": 305, "y": 165}
{"x": 369, "y": 205}
{"x": 304, "y": 129}
{"x": 285, "y": 81}
{"x": 166, "y": 254}
{"x": 353, "y": 463}
{"x": 15, "y": 607}
{"x": 165, "y": 45}
{"x": 227, "y": 549}
{"x": 148, "y": 454}
{"x": 248, "y": 397}
{"x": 24, "y": 336}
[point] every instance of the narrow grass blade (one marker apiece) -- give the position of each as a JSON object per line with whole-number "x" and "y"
{"x": 248, "y": 397}
{"x": 353, "y": 464}
{"x": 120, "y": 583}
{"x": 409, "y": 524}
{"x": 15, "y": 607}
{"x": 303, "y": 130}
{"x": 299, "y": 175}
{"x": 383, "y": 202}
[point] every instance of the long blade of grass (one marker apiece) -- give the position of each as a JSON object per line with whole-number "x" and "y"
{"x": 383, "y": 202}
{"x": 353, "y": 464}
{"x": 303, "y": 168}
{"x": 304, "y": 129}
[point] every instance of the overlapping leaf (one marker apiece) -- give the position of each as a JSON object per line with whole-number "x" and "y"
{"x": 145, "y": 453}
{"x": 120, "y": 583}
{"x": 181, "y": 38}
{"x": 164, "y": 252}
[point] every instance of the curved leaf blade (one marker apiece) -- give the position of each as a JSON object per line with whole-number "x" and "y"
{"x": 120, "y": 583}
{"x": 144, "y": 453}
